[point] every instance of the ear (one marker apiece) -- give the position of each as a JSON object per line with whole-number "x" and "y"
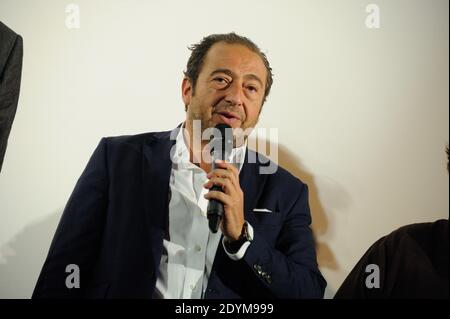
{"x": 186, "y": 90}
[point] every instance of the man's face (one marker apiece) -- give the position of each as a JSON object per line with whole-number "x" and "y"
{"x": 229, "y": 89}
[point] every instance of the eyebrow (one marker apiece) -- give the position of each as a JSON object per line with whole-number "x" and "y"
{"x": 230, "y": 73}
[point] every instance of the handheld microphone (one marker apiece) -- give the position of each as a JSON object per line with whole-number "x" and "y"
{"x": 221, "y": 147}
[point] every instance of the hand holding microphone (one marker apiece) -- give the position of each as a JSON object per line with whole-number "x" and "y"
{"x": 226, "y": 198}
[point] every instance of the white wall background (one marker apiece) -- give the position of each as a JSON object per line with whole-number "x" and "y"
{"x": 362, "y": 114}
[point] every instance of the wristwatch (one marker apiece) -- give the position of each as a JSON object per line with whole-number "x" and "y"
{"x": 234, "y": 246}
{"x": 245, "y": 235}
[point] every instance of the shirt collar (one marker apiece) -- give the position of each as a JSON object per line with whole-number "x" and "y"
{"x": 181, "y": 154}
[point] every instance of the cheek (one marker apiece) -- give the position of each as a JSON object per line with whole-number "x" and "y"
{"x": 253, "y": 113}
{"x": 208, "y": 97}
{"x": 201, "y": 102}
{"x": 213, "y": 97}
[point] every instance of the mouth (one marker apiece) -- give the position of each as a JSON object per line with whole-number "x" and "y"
{"x": 229, "y": 118}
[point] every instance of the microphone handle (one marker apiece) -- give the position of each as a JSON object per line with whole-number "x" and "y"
{"x": 215, "y": 211}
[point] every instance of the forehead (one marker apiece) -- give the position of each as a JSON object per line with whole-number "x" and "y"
{"x": 236, "y": 57}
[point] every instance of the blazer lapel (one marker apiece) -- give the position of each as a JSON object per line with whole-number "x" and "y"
{"x": 252, "y": 184}
{"x": 156, "y": 168}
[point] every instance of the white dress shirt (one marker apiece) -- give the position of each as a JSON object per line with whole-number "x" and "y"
{"x": 189, "y": 252}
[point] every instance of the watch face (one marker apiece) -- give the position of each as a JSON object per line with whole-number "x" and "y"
{"x": 246, "y": 232}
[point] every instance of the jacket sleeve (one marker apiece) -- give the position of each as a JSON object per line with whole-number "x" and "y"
{"x": 11, "y": 54}
{"x": 288, "y": 270}
{"x": 78, "y": 236}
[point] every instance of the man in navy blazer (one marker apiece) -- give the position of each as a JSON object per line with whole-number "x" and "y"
{"x": 115, "y": 233}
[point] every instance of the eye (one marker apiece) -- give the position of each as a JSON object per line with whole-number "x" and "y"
{"x": 252, "y": 88}
{"x": 220, "y": 80}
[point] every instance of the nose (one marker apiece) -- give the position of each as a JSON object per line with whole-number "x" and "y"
{"x": 234, "y": 94}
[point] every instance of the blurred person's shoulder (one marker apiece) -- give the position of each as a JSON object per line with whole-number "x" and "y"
{"x": 136, "y": 140}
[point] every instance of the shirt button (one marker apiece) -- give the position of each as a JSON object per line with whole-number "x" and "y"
{"x": 192, "y": 287}
{"x": 198, "y": 248}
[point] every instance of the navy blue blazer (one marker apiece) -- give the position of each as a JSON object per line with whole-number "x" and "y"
{"x": 115, "y": 221}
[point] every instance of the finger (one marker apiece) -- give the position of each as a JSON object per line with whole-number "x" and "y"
{"x": 220, "y": 196}
{"x": 228, "y": 166}
{"x": 226, "y": 185}
{"x": 230, "y": 215}
{"x": 223, "y": 173}
{"x": 219, "y": 172}
{"x": 231, "y": 169}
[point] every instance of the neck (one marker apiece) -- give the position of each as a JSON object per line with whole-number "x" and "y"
{"x": 197, "y": 151}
